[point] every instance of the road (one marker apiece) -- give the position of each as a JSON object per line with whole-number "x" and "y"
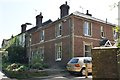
{"x": 63, "y": 77}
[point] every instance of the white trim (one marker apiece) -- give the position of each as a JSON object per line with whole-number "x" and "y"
{"x": 86, "y": 43}
{"x": 89, "y": 26}
{"x": 51, "y": 40}
{"x": 58, "y": 29}
{"x": 108, "y": 44}
{"x": 85, "y": 37}
{"x": 102, "y": 30}
{"x": 42, "y": 36}
{"x": 56, "y": 44}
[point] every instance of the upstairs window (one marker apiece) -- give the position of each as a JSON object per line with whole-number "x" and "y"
{"x": 42, "y": 35}
{"x": 102, "y": 32}
{"x": 58, "y": 51}
{"x": 58, "y": 30}
{"x": 87, "y": 28}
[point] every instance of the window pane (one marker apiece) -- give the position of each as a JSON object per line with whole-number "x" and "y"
{"x": 87, "y": 50}
{"x": 58, "y": 30}
{"x": 58, "y": 51}
{"x": 87, "y": 28}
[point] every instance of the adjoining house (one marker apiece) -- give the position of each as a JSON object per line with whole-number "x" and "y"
{"x": 58, "y": 41}
{"x": 71, "y": 35}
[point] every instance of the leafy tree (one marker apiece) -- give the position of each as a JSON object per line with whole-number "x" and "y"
{"x": 17, "y": 54}
{"x": 117, "y": 30}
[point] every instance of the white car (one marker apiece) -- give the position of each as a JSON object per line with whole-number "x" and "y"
{"x": 79, "y": 65}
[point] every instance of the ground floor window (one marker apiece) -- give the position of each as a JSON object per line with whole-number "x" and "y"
{"x": 37, "y": 54}
{"x": 58, "y": 51}
{"x": 41, "y": 53}
{"x": 87, "y": 50}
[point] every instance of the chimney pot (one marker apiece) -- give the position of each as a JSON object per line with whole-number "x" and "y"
{"x": 87, "y": 13}
{"x": 66, "y": 2}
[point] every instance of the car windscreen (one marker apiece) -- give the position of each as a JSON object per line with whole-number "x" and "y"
{"x": 87, "y": 60}
{"x": 74, "y": 61}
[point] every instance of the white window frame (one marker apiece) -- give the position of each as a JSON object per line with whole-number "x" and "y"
{"x": 42, "y": 35}
{"x": 102, "y": 33}
{"x": 58, "y": 51}
{"x": 88, "y": 44}
{"x": 87, "y": 28}
{"x": 41, "y": 53}
{"x": 58, "y": 30}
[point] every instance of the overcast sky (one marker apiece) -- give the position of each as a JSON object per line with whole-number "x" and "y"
{"x": 13, "y": 13}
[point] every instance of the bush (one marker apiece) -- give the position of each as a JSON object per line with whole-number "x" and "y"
{"x": 37, "y": 66}
{"x": 16, "y": 67}
{"x": 17, "y": 54}
{"x": 16, "y": 70}
{"x": 37, "y": 63}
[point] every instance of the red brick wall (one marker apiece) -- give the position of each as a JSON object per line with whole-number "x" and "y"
{"x": 66, "y": 27}
{"x": 78, "y": 47}
{"x": 50, "y": 52}
{"x": 79, "y": 37}
{"x": 50, "y": 32}
{"x": 50, "y": 39}
{"x": 35, "y": 37}
{"x": 78, "y": 26}
{"x": 96, "y": 27}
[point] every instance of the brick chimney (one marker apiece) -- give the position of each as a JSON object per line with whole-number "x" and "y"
{"x": 39, "y": 20}
{"x": 64, "y": 10}
{"x": 23, "y": 28}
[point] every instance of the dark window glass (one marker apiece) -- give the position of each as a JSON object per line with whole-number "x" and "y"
{"x": 74, "y": 61}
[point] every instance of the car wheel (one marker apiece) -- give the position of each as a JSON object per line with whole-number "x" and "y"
{"x": 83, "y": 72}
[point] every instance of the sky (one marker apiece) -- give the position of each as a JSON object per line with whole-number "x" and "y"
{"x": 14, "y": 13}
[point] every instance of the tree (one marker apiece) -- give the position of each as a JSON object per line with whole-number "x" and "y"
{"x": 17, "y": 54}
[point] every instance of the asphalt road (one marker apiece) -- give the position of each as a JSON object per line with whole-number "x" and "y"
{"x": 62, "y": 77}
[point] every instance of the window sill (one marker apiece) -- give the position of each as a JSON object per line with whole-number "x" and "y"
{"x": 58, "y": 36}
{"x": 58, "y": 59}
{"x": 42, "y": 41}
{"x": 87, "y": 35}
{"x": 102, "y": 37}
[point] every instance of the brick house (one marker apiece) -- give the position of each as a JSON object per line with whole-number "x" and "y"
{"x": 71, "y": 35}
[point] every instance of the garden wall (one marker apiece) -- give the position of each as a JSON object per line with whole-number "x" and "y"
{"x": 118, "y": 60}
{"x": 105, "y": 63}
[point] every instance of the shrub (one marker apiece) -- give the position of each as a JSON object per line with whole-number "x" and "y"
{"x": 37, "y": 66}
{"x": 37, "y": 63}
{"x": 16, "y": 67}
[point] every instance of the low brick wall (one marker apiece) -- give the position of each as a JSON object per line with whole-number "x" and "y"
{"x": 118, "y": 60}
{"x": 105, "y": 63}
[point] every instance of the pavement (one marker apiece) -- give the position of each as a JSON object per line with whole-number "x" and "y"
{"x": 54, "y": 74}
{"x": 3, "y": 77}
{"x": 59, "y": 74}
